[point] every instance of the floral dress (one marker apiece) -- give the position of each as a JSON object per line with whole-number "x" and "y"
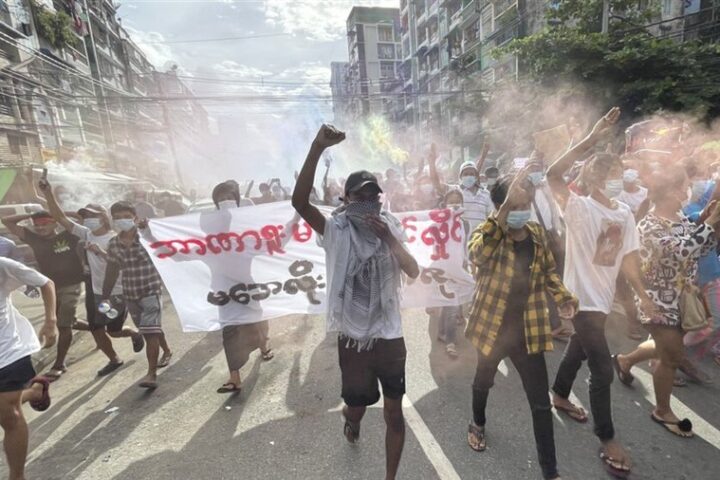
{"x": 669, "y": 251}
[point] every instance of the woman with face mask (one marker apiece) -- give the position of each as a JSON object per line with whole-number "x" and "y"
{"x": 239, "y": 341}
{"x": 670, "y": 248}
{"x": 509, "y": 316}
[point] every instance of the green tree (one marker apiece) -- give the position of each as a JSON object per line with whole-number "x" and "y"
{"x": 629, "y": 67}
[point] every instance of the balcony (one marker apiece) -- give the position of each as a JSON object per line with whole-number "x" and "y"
{"x": 455, "y": 20}
{"x": 8, "y": 23}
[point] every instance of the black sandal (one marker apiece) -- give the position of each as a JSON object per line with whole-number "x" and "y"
{"x": 626, "y": 378}
{"x": 351, "y": 432}
{"x": 229, "y": 388}
{"x": 476, "y": 437}
{"x": 684, "y": 426}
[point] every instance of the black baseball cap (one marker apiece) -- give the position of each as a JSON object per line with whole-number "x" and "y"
{"x": 359, "y": 179}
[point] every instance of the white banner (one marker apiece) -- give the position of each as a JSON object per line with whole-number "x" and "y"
{"x": 252, "y": 263}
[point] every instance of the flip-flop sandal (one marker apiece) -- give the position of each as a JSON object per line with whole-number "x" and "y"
{"x": 626, "y": 378}
{"x": 229, "y": 388}
{"x": 268, "y": 355}
{"x": 608, "y": 462}
{"x": 164, "y": 361}
{"x": 683, "y": 426}
{"x": 44, "y": 402}
{"x": 55, "y": 373}
{"x": 138, "y": 343}
{"x": 148, "y": 385}
{"x": 476, "y": 437}
{"x": 576, "y": 413}
{"x": 351, "y": 432}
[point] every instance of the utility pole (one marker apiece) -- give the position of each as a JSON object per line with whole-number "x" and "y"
{"x": 168, "y": 126}
{"x": 606, "y": 16}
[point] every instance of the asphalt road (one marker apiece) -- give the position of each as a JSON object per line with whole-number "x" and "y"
{"x": 286, "y": 422}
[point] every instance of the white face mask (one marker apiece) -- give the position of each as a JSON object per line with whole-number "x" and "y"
{"x": 227, "y": 205}
{"x": 613, "y": 188}
{"x": 630, "y": 176}
{"x": 124, "y": 224}
{"x": 491, "y": 181}
{"x": 93, "y": 224}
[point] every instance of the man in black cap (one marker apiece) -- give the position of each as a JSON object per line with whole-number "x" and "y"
{"x": 365, "y": 259}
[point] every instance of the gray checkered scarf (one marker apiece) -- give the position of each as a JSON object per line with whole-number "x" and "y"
{"x": 371, "y": 280}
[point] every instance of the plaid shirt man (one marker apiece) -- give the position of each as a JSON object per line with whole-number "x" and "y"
{"x": 491, "y": 250}
{"x": 140, "y": 279}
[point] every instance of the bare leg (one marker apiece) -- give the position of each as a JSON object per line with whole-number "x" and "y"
{"x": 164, "y": 345}
{"x": 354, "y": 416}
{"x": 645, "y": 351}
{"x": 671, "y": 351}
{"x": 105, "y": 345}
{"x": 65, "y": 337}
{"x": 152, "y": 350}
{"x": 394, "y": 436}
{"x": 16, "y": 433}
{"x": 126, "y": 332}
{"x": 33, "y": 393}
{"x": 81, "y": 325}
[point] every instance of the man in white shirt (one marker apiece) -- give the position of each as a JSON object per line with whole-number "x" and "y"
{"x": 18, "y": 341}
{"x": 601, "y": 240}
{"x": 477, "y": 204}
{"x": 95, "y": 233}
{"x": 365, "y": 260}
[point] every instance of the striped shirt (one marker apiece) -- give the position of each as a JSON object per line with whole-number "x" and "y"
{"x": 478, "y": 206}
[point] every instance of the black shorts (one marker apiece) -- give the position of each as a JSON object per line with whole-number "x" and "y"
{"x": 361, "y": 372}
{"x": 16, "y": 376}
{"x": 100, "y": 321}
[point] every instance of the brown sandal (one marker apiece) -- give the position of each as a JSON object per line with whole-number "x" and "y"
{"x": 476, "y": 437}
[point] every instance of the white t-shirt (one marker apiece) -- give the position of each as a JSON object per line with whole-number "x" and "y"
{"x": 547, "y": 209}
{"x": 478, "y": 206}
{"x": 598, "y": 238}
{"x": 634, "y": 199}
{"x": 17, "y": 336}
{"x": 97, "y": 264}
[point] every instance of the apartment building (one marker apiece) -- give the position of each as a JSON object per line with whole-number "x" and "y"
{"x": 374, "y": 52}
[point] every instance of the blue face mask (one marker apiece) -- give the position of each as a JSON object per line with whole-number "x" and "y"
{"x": 92, "y": 223}
{"x": 124, "y": 224}
{"x": 468, "y": 181}
{"x": 517, "y": 219}
{"x": 536, "y": 178}
{"x": 613, "y": 188}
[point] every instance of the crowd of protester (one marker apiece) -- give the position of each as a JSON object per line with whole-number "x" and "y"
{"x": 554, "y": 244}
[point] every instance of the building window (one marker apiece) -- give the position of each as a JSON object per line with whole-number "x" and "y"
{"x": 386, "y": 52}
{"x": 471, "y": 34}
{"x": 387, "y": 70}
{"x": 385, "y": 33}
{"x": 487, "y": 18}
{"x": 667, "y": 8}
{"x": 15, "y": 142}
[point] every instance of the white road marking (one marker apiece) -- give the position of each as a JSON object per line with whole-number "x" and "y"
{"x": 434, "y": 453}
{"x": 702, "y": 428}
{"x": 428, "y": 443}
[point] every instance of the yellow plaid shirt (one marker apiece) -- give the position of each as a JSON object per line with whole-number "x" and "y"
{"x": 491, "y": 251}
